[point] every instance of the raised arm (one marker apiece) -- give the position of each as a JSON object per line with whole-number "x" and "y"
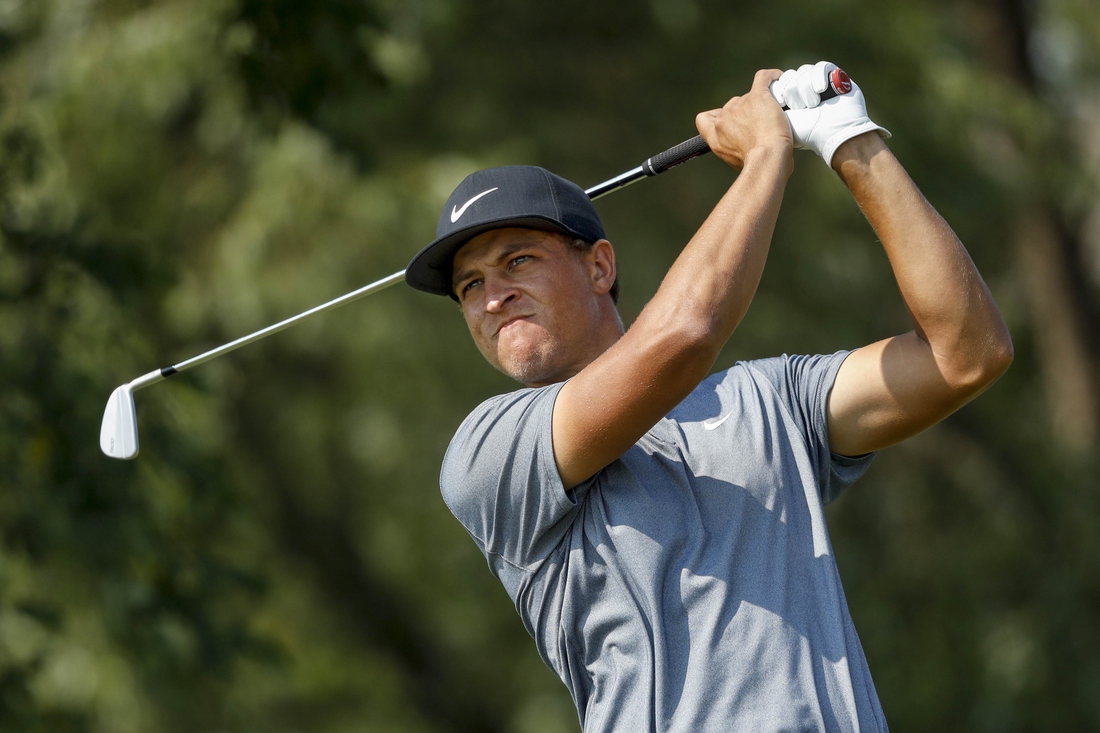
{"x": 672, "y": 346}
{"x": 960, "y": 345}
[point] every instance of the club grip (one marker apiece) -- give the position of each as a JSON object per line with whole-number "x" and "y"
{"x": 676, "y": 155}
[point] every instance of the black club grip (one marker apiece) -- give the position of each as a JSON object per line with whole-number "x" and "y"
{"x": 676, "y": 155}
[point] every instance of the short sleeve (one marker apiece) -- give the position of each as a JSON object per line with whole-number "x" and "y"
{"x": 803, "y": 384}
{"x": 500, "y": 480}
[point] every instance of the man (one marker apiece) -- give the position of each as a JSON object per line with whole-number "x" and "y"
{"x": 660, "y": 532}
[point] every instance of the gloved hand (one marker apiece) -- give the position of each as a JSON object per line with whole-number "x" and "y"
{"x": 822, "y": 126}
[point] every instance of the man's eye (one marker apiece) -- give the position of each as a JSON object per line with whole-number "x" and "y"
{"x": 521, "y": 259}
{"x": 473, "y": 283}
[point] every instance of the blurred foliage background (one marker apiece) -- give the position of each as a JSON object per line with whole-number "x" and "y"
{"x": 177, "y": 173}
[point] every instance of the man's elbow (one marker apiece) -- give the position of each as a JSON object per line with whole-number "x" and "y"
{"x": 983, "y": 365}
{"x": 692, "y": 346}
{"x": 685, "y": 337}
{"x": 998, "y": 354}
{"x": 1003, "y": 356}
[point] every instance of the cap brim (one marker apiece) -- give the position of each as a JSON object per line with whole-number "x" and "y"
{"x": 431, "y": 270}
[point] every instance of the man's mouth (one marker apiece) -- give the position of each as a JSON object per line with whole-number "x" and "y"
{"x": 504, "y": 324}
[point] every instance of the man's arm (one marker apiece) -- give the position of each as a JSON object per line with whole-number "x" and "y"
{"x": 960, "y": 345}
{"x": 672, "y": 346}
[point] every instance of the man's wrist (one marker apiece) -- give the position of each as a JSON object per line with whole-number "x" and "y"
{"x": 856, "y": 153}
{"x": 777, "y": 153}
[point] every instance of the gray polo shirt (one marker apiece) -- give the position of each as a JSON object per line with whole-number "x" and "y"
{"x": 690, "y": 586}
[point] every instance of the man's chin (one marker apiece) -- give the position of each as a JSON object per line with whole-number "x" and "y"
{"x": 533, "y": 375}
{"x": 534, "y": 369}
{"x": 522, "y": 355}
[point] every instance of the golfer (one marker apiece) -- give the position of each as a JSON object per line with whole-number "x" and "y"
{"x": 661, "y": 531}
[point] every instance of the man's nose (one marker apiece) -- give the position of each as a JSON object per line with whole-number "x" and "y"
{"x": 498, "y": 292}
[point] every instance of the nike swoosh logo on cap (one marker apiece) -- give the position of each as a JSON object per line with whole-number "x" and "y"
{"x": 456, "y": 214}
{"x": 712, "y": 424}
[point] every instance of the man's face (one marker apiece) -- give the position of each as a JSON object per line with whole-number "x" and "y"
{"x": 530, "y": 302}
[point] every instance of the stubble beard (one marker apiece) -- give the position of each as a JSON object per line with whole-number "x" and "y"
{"x": 532, "y": 359}
{"x": 532, "y": 364}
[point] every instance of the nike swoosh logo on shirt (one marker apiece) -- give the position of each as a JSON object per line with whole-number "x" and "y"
{"x": 712, "y": 424}
{"x": 456, "y": 214}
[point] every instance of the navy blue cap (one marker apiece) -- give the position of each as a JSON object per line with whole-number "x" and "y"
{"x": 511, "y": 196}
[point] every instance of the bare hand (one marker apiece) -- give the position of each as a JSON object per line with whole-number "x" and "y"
{"x": 745, "y": 123}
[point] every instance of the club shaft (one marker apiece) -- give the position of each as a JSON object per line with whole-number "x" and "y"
{"x": 614, "y": 184}
{"x": 651, "y": 167}
{"x": 364, "y": 291}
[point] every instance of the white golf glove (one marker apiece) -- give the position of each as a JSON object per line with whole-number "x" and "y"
{"x": 822, "y": 126}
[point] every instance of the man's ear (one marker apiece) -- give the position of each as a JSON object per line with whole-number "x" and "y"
{"x": 601, "y": 266}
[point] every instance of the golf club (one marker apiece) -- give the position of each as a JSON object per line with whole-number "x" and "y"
{"x": 118, "y": 434}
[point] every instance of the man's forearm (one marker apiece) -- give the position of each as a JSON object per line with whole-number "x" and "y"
{"x": 951, "y": 307}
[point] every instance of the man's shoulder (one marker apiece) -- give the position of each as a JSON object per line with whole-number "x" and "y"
{"x": 517, "y": 400}
{"x": 502, "y": 417}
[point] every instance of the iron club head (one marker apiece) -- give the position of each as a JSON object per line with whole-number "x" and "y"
{"x": 118, "y": 435}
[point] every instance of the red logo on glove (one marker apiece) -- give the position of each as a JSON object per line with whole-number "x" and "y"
{"x": 840, "y": 81}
